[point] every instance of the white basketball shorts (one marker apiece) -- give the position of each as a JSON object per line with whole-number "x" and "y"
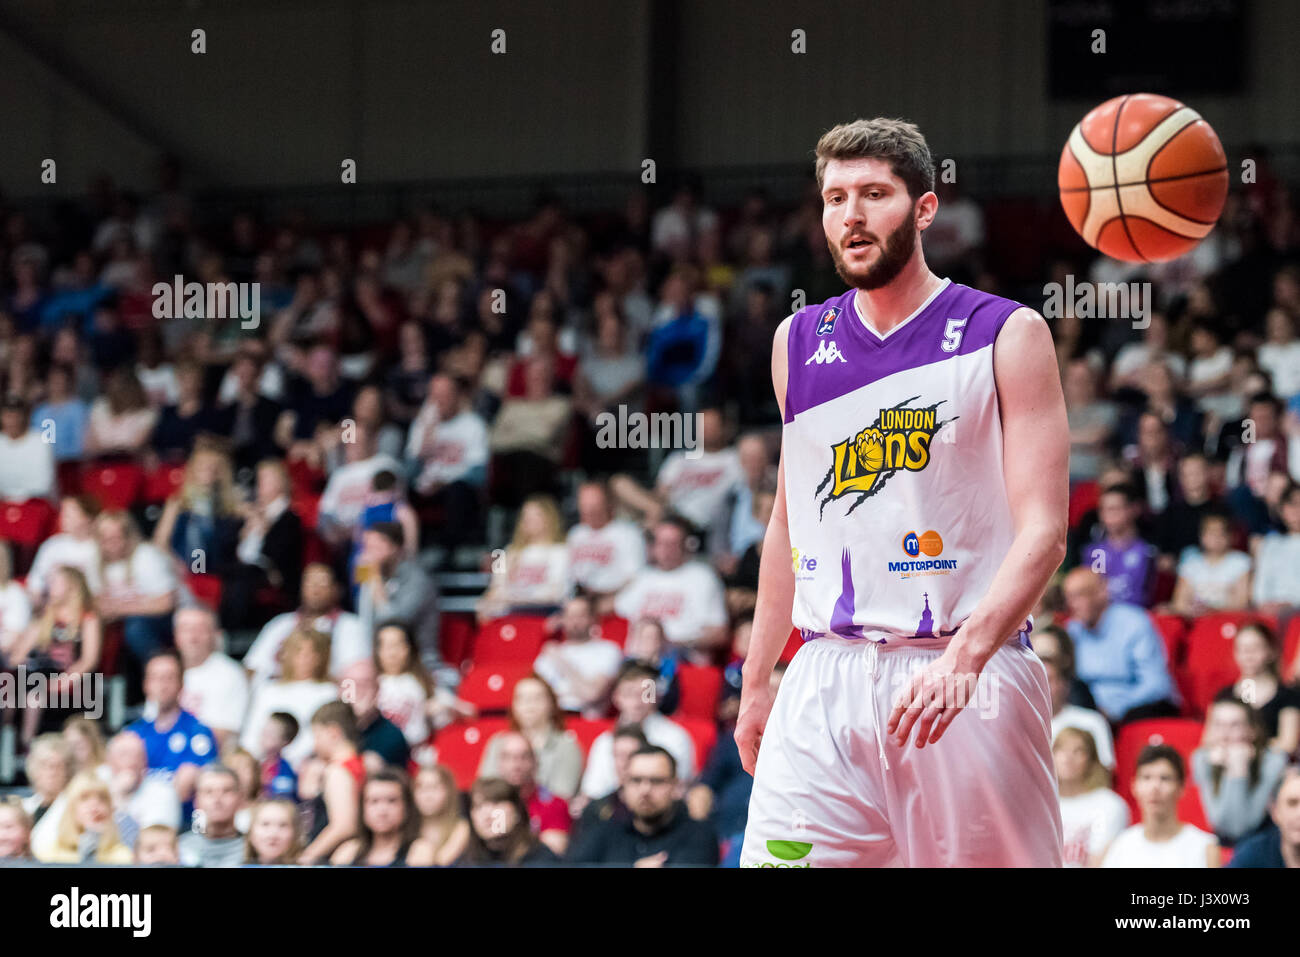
{"x": 832, "y": 789}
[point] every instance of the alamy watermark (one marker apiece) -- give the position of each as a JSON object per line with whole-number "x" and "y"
{"x": 37, "y": 689}
{"x": 1099, "y": 300}
{"x": 653, "y": 430}
{"x": 212, "y": 300}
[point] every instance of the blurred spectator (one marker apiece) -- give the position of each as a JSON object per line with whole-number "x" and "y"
{"x": 1209, "y": 373}
{"x": 580, "y": 668}
{"x": 1279, "y": 845}
{"x": 302, "y": 688}
{"x": 447, "y": 452}
{"x": 634, "y": 700}
{"x": 611, "y": 369}
{"x": 395, "y": 587}
{"x": 157, "y": 844}
{"x": 26, "y": 455}
{"x": 604, "y": 552}
{"x": 15, "y": 608}
{"x": 274, "y": 835}
{"x": 1277, "y": 583}
{"x": 316, "y": 397}
{"x": 138, "y": 587}
{"x": 200, "y": 523}
{"x": 388, "y": 827}
{"x": 64, "y": 414}
{"x": 215, "y": 842}
{"x": 349, "y": 640}
{"x": 530, "y": 436}
{"x": 1067, "y": 715}
{"x": 177, "y": 743}
{"x": 215, "y": 688}
{"x": 685, "y": 342}
{"x": 647, "y": 644}
{"x": 1118, "y": 652}
{"x": 184, "y": 420}
{"x": 121, "y": 420}
{"x": 1092, "y": 421}
{"x": 675, "y": 226}
{"x": 533, "y": 575}
{"x": 1178, "y": 527}
{"x": 1161, "y": 840}
{"x": 442, "y": 823}
{"x": 1279, "y": 355}
{"x": 86, "y": 832}
{"x": 535, "y": 714}
{"x": 1091, "y": 813}
{"x": 955, "y": 236}
{"x": 1178, "y": 413}
{"x": 1235, "y": 770}
{"x": 335, "y": 809}
{"x": 741, "y": 524}
{"x": 74, "y": 546}
{"x": 86, "y": 741}
{"x": 141, "y": 801}
{"x": 684, "y": 595}
{"x": 405, "y": 688}
{"x": 248, "y": 414}
{"x": 548, "y": 814}
{"x": 15, "y": 831}
{"x": 48, "y": 769}
{"x": 1253, "y": 460}
{"x": 1120, "y": 555}
{"x": 269, "y": 552}
{"x": 1254, "y": 650}
{"x": 349, "y": 486}
{"x": 379, "y": 742}
{"x": 1131, "y": 363}
{"x": 659, "y": 832}
{"x": 1154, "y": 459}
{"x": 500, "y": 832}
{"x": 1214, "y": 577}
{"x": 628, "y": 740}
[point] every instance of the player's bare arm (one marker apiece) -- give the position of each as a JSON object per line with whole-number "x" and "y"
{"x": 1036, "y": 457}
{"x": 772, "y": 624}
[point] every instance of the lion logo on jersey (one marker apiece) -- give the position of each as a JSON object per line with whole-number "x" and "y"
{"x": 899, "y": 440}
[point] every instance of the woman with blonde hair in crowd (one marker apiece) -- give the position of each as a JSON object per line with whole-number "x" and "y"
{"x": 249, "y": 772}
{"x": 63, "y": 644}
{"x": 15, "y": 607}
{"x": 441, "y": 822}
{"x": 1091, "y": 813}
{"x": 86, "y": 744}
{"x": 303, "y": 686}
{"x": 204, "y": 517}
{"x": 121, "y": 420}
{"x": 15, "y": 831}
{"x": 87, "y": 831}
{"x": 535, "y": 578}
{"x": 274, "y": 833}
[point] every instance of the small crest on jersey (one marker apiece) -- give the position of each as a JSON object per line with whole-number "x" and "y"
{"x": 899, "y": 440}
{"x": 826, "y": 324}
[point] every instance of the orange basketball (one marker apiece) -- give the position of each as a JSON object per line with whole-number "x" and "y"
{"x": 1143, "y": 178}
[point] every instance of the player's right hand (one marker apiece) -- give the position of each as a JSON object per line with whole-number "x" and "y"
{"x": 755, "y": 706}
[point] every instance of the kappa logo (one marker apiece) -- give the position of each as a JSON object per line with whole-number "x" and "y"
{"x": 826, "y": 324}
{"x": 826, "y": 352}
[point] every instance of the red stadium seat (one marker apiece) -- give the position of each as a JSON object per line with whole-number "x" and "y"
{"x": 115, "y": 486}
{"x": 613, "y": 628}
{"x": 456, "y": 637}
{"x": 1208, "y": 665}
{"x": 27, "y": 523}
{"x": 489, "y": 686}
{"x": 69, "y": 478}
{"x": 1083, "y": 497}
{"x": 1173, "y": 629}
{"x": 1291, "y": 649}
{"x": 207, "y": 589}
{"x": 1181, "y": 734}
{"x": 700, "y": 688}
{"x": 586, "y": 731}
{"x": 162, "y": 483}
{"x": 792, "y": 645}
{"x": 307, "y": 507}
{"x": 512, "y": 638}
{"x": 460, "y": 747}
{"x": 704, "y": 733}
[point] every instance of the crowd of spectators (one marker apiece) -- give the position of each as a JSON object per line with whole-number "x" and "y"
{"x": 424, "y": 397}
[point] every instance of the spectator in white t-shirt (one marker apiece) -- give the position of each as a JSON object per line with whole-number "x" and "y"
{"x": 635, "y": 701}
{"x": 1214, "y": 577}
{"x": 303, "y": 687}
{"x": 1277, "y": 560}
{"x": 348, "y": 489}
{"x": 1066, "y": 715}
{"x": 73, "y": 546}
{"x": 1161, "y": 840}
{"x": 535, "y": 573}
{"x": 604, "y": 552}
{"x": 15, "y": 608}
{"x": 26, "y": 456}
{"x": 140, "y": 801}
{"x": 1209, "y": 374}
{"x": 1091, "y": 813}
{"x": 215, "y": 688}
{"x": 685, "y": 596}
{"x": 1279, "y": 356}
{"x": 349, "y": 640}
{"x": 138, "y": 586}
{"x": 447, "y": 451}
{"x": 581, "y": 668}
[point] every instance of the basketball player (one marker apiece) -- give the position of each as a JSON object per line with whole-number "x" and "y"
{"x": 921, "y": 510}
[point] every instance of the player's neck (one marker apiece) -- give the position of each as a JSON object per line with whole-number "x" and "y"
{"x": 886, "y": 307}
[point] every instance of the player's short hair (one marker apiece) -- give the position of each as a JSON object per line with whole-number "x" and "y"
{"x": 899, "y": 142}
{"x": 1162, "y": 752}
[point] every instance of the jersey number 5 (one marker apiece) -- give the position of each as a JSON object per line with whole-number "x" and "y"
{"x": 952, "y": 335}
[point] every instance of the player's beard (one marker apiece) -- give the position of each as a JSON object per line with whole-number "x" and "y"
{"x": 895, "y": 251}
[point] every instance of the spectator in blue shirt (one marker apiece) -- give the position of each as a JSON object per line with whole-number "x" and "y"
{"x": 1118, "y": 652}
{"x": 65, "y": 412}
{"x": 1277, "y": 846}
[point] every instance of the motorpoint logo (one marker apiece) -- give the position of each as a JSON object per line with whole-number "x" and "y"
{"x": 928, "y": 542}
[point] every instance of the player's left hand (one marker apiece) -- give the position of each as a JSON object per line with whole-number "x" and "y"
{"x": 933, "y": 698}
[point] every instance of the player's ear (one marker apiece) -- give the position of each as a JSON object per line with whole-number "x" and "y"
{"x": 926, "y": 206}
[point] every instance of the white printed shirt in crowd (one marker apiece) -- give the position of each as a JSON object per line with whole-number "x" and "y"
{"x": 349, "y": 486}
{"x": 1282, "y": 363}
{"x": 402, "y": 700}
{"x": 1212, "y": 582}
{"x": 270, "y": 385}
{"x": 249, "y": 550}
{"x": 15, "y": 613}
{"x": 536, "y": 574}
{"x": 697, "y": 488}
{"x": 1188, "y": 848}
{"x": 26, "y": 467}
{"x": 1090, "y": 822}
{"x": 1251, "y": 464}
{"x": 601, "y": 779}
{"x": 686, "y": 600}
{"x": 593, "y": 658}
{"x": 605, "y": 559}
{"x": 1224, "y": 403}
{"x": 64, "y": 549}
{"x": 446, "y": 451}
{"x": 349, "y": 643}
{"x": 298, "y": 698}
{"x": 1095, "y": 723}
{"x": 147, "y": 573}
{"x": 159, "y": 384}
{"x": 117, "y": 432}
{"x": 216, "y": 692}
{"x": 1277, "y": 570}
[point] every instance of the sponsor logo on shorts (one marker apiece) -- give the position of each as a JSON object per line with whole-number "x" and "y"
{"x": 787, "y": 854}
